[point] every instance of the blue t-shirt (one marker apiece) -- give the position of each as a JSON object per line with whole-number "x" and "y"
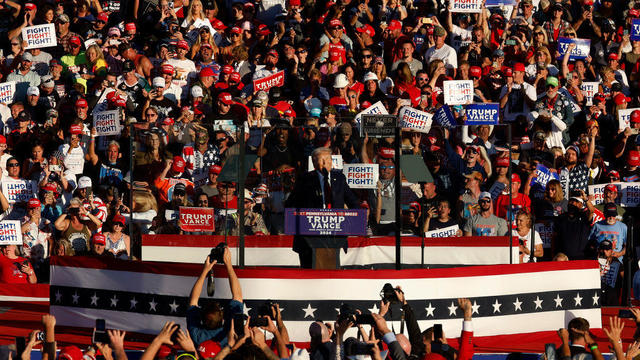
{"x": 616, "y": 233}
{"x": 200, "y": 334}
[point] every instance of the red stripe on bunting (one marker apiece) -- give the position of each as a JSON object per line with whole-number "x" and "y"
{"x": 275, "y": 241}
{"x": 31, "y": 290}
{"x": 182, "y": 269}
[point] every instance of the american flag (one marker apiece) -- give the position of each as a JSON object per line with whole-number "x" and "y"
{"x": 510, "y": 302}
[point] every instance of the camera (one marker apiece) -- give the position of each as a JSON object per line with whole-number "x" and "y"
{"x": 217, "y": 253}
{"x": 74, "y": 211}
{"x": 348, "y": 313}
{"x": 354, "y": 347}
{"x": 265, "y": 309}
{"x": 388, "y": 294}
{"x": 258, "y": 321}
{"x": 41, "y": 336}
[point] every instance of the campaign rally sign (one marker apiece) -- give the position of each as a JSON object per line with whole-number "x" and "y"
{"x": 466, "y": 6}
{"x": 377, "y": 108}
{"x": 496, "y": 189}
{"x": 581, "y": 51}
{"x": 444, "y": 117}
{"x": 624, "y": 118}
{"x": 39, "y": 36}
{"x": 545, "y": 229}
{"x": 197, "y": 219}
{"x": 333, "y": 222}
{"x": 7, "y": 90}
{"x": 543, "y": 176}
{"x": 336, "y": 162}
{"x": 379, "y": 125}
{"x": 18, "y": 190}
{"x": 442, "y": 233}
{"x": 10, "y": 232}
{"x": 458, "y": 92}
{"x": 589, "y": 88}
{"x": 107, "y": 122}
{"x": 500, "y": 3}
{"x": 361, "y": 176}
{"x": 415, "y": 120}
{"x": 597, "y": 191}
{"x": 268, "y": 82}
{"x": 630, "y": 194}
{"x": 482, "y": 114}
{"x": 634, "y": 35}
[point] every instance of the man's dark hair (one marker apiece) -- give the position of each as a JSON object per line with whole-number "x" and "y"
{"x": 212, "y": 315}
{"x": 578, "y": 324}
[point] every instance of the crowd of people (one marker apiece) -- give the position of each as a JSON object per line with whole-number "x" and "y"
{"x": 194, "y": 84}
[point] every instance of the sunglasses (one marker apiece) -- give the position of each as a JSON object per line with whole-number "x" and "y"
{"x": 178, "y": 193}
{"x": 301, "y": 51}
{"x": 367, "y": 56}
{"x": 385, "y": 167}
{"x": 13, "y": 165}
{"x": 15, "y": 44}
{"x": 423, "y": 79}
{"x": 471, "y": 151}
{"x": 483, "y": 201}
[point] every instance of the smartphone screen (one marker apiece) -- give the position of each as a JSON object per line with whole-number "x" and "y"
{"x": 437, "y": 332}
{"x": 21, "y": 344}
{"x": 100, "y": 333}
{"x": 238, "y": 324}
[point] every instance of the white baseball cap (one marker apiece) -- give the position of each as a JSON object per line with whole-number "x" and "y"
{"x": 196, "y": 91}
{"x": 158, "y": 81}
{"x": 84, "y": 182}
{"x": 33, "y": 90}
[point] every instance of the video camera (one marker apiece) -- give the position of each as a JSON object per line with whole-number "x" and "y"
{"x": 348, "y": 313}
{"x": 217, "y": 253}
{"x": 388, "y": 294}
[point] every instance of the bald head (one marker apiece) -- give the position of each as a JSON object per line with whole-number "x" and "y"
{"x": 404, "y": 343}
{"x": 319, "y": 331}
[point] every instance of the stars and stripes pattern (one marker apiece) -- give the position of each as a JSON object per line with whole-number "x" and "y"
{"x": 506, "y": 299}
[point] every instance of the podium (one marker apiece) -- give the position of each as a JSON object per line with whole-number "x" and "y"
{"x": 326, "y": 258}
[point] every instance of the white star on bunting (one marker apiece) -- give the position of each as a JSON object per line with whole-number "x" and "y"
{"x": 496, "y": 306}
{"x": 517, "y": 305}
{"x": 430, "y": 310}
{"x": 538, "y": 302}
{"x": 309, "y": 311}
{"x": 452, "y": 309}
{"x": 578, "y": 299}
{"x": 558, "y": 301}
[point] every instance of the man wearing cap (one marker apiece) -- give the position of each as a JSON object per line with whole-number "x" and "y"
{"x": 571, "y": 230}
{"x": 132, "y": 84}
{"x": 611, "y": 229}
{"x": 75, "y": 60}
{"x": 211, "y": 188}
{"x": 156, "y": 98}
{"x": 41, "y": 61}
{"x": 24, "y": 77}
{"x": 22, "y": 137}
{"x": 463, "y": 165}
{"x": 611, "y": 197}
{"x": 555, "y": 108}
{"x": 98, "y": 246}
{"x": 321, "y": 188}
{"x": 610, "y": 268}
{"x": 518, "y": 201}
{"x": 200, "y": 156}
{"x": 93, "y": 204}
{"x": 575, "y": 173}
{"x": 172, "y": 91}
{"x": 63, "y": 36}
{"x": 36, "y": 234}
{"x": 253, "y": 222}
{"x": 170, "y": 177}
{"x": 442, "y": 51}
{"x": 109, "y": 169}
{"x": 31, "y": 103}
{"x": 517, "y": 96}
{"x": 143, "y": 65}
{"x": 382, "y": 199}
{"x": 73, "y": 153}
{"x": 206, "y": 78}
{"x": 49, "y": 98}
{"x": 485, "y": 223}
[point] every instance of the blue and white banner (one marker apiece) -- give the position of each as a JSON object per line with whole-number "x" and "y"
{"x": 334, "y": 222}
{"x": 543, "y": 176}
{"x": 416, "y": 120}
{"x": 581, "y": 51}
{"x": 635, "y": 30}
{"x": 482, "y": 114}
{"x": 444, "y": 117}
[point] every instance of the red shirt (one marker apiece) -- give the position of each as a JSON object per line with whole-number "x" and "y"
{"x": 10, "y": 271}
{"x": 519, "y": 202}
{"x": 219, "y": 204}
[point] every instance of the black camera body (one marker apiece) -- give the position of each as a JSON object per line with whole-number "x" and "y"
{"x": 265, "y": 309}
{"x": 354, "y": 347}
{"x": 348, "y": 313}
{"x": 388, "y": 294}
{"x": 217, "y": 253}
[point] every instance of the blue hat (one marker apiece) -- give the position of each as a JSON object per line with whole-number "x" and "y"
{"x": 315, "y": 112}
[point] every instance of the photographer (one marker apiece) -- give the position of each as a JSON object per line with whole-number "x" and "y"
{"x": 415, "y": 336}
{"x": 206, "y": 322}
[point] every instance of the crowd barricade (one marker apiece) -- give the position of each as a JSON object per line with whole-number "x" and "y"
{"x": 362, "y": 252}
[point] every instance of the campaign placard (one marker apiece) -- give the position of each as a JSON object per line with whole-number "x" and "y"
{"x": 7, "y": 90}
{"x": 18, "y": 190}
{"x": 336, "y": 162}
{"x": 39, "y": 36}
{"x": 415, "y": 120}
{"x": 624, "y": 118}
{"x": 581, "y": 51}
{"x": 496, "y": 189}
{"x": 597, "y": 191}
{"x": 634, "y": 34}
{"x": 543, "y": 176}
{"x": 545, "y": 229}
{"x": 500, "y": 3}
{"x": 10, "y": 232}
{"x": 268, "y": 82}
{"x": 377, "y": 108}
{"x": 331, "y": 222}
{"x": 197, "y": 219}
{"x": 458, "y": 92}
{"x": 361, "y": 176}
{"x": 107, "y": 122}
{"x": 466, "y": 6}
{"x": 482, "y": 114}
{"x": 443, "y": 233}
{"x": 589, "y": 88}
{"x": 379, "y": 125}
{"x": 444, "y": 117}
{"x": 630, "y": 194}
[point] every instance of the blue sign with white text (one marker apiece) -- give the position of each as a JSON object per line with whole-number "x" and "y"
{"x": 581, "y": 51}
{"x": 444, "y": 117}
{"x": 482, "y": 114}
{"x": 634, "y": 35}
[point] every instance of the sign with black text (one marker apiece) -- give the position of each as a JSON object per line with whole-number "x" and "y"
{"x": 10, "y": 232}
{"x": 361, "y": 176}
{"x": 107, "y": 122}
{"x": 39, "y": 36}
{"x": 379, "y": 125}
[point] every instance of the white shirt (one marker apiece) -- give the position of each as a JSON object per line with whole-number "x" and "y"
{"x": 530, "y": 92}
{"x": 446, "y": 53}
{"x": 526, "y": 240}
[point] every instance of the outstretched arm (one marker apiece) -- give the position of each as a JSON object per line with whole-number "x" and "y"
{"x": 197, "y": 287}
{"x": 234, "y": 283}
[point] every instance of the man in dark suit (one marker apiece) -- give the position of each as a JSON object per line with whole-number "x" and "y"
{"x": 321, "y": 188}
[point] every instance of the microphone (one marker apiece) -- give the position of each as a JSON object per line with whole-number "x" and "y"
{"x": 324, "y": 172}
